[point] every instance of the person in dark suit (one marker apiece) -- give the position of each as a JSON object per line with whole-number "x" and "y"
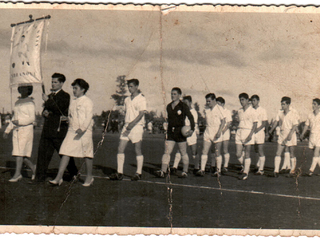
{"x": 55, "y": 127}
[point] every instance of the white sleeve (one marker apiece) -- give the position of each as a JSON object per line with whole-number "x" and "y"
{"x": 143, "y": 104}
{"x": 89, "y": 115}
{"x": 9, "y": 127}
{"x": 308, "y": 121}
{"x": 264, "y": 115}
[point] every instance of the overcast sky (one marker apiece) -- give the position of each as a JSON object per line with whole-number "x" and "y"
{"x": 271, "y": 55}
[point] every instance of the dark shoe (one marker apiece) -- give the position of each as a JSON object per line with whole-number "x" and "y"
{"x": 136, "y": 177}
{"x": 160, "y": 174}
{"x": 213, "y": 169}
{"x": 274, "y": 175}
{"x": 116, "y": 176}
{"x": 284, "y": 171}
{"x": 224, "y": 171}
{"x": 309, "y": 174}
{"x": 216, "y": 174}
{"x": 259, "y": 173}
{"x": 195, "y": 171}
{"x": 291, "y": 175}
{"x": 173, "y": 171}
{"x": 243, "y": 176}
{"x": 200, "y": 173}
{"x": 183, "y": 175}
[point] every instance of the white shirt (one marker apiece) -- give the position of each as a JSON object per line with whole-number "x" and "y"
{"x": 133, "y": 108}
{"x": 313, "y": 121}
{"x": 195, "y": 117}
{"x": 261, "y": 116}
{"x": 81, "y": 113}
{"x": 228, "y": 115}
{"x": 286, "y": 122}
{"x": 247, "y": 118}
{"x": 24, "y": 113}
{"x": 214, "y": 116}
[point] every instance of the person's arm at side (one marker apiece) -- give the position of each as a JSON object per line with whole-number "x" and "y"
{"x": 85, "y": 123}
{"x": 222, "y": 124}
{"x": 142, "y": 111}
{"x": 263, "y": 125}
{"x": 305, "y": 129}
{"x": 248, "y": 139}
{"x": 289, "y": 137}
{"x": 191, "y": 119}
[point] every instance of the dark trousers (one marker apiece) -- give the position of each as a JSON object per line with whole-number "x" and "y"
{"x": 45, "y": 153}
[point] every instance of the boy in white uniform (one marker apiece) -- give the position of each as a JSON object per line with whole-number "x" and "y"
{"x": 288, "y": 121}
{"x": 259, "y": 135}
{"x": 215, "y": 121}
{"x": 245, "y": 133}
{"x": 225, "y": 135}
{"x": 135, "y": 107}
{"x": 313, "y": 123}
{"x": 191, "y": 141}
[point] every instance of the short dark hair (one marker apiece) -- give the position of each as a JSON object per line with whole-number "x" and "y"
{"x": 29, "y": 87}
{"x": 134, "y": 81}
{"x": 61, "y": 77}
{"x": 255, "y": 96}
{"x": 243, "y": 95}
{"x": 178, "y": 90}
{"x": 317, "y": 100}
{"x": 189, "y": 98}
{"x": 81, "y": 83}
{"x": 211, "y": 95}
{"x": 287, "y": 100}
{"x": 221, "y": 100}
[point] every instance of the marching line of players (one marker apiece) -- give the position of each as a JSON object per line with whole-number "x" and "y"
{"x": 251, "y": 131}
{"x": 78, "y": 131}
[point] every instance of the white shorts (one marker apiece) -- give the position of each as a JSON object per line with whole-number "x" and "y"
{"x": 259, "y": 138}
{"x": 135, "y": 134}
{"x": 242, "y": 135}
{"x": 210, "y": 133}
{"x": 314, "y": 141}
{"x": 192, "y": 139}
{"x": 226, "y": 136}
{"x": 283, "y": 135}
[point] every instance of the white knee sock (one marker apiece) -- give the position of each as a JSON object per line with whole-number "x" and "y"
{"x": 247, "y": 163}
{"x": 177, "y": 160}
{"x": 262, "y": 161}
{"x": 139, "y": 164}
{"x": 313, "y": 164}
{"x": 165, "y": 162}
{"x": 293, "y": 164}
{"x": 226, "y": 160}
{"x": 204, "y": 159}
{"x": 120, "y": 162}
{"x": 277, "y": 161}
{"x": 286, "y": 162}
{"x": 185, "y": 161}
{"x": 219, "y": 163}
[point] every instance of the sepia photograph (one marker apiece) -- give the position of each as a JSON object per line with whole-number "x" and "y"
{"x": 159, "y": 119}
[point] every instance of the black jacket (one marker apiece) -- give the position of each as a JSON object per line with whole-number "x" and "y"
{"x": 56, "y": 105}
